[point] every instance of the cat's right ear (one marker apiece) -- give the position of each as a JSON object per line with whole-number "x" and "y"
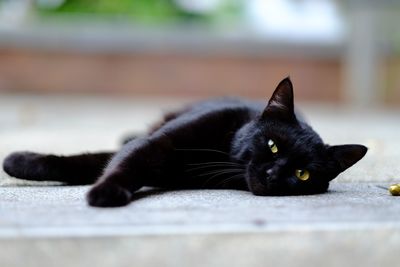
{"x": 281, "y": 104}
{"x": 347, "y": 155}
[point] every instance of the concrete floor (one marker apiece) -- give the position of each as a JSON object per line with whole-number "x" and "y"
{"x": 60, "y": 211}
{"x": 355, "y": 224}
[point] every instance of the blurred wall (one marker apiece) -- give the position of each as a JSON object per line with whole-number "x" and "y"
{"x": 336, "y": 51}
{"x": 172, "y": 74}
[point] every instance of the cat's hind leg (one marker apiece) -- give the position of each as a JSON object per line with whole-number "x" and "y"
{"x": 74, "y": 170}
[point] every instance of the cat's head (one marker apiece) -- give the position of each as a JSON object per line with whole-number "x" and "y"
{"x": 285, "y": 156}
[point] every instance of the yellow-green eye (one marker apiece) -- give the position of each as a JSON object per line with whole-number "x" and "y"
{"x": 302, "y": 175}
{"x": 272, "y": 146}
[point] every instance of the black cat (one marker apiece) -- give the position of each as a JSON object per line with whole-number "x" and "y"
{"x": 220, "y": 144}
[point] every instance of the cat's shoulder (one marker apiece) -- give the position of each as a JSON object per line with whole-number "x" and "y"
{"x": 227, "y": 103}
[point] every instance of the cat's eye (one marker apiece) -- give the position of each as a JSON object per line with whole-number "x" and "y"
{"x": 272, "y": 146}
{"x": 303, "y": 175}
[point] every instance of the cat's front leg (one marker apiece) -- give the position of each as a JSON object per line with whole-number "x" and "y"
{"x": 137, "y": 161}
{"x": 153, "y": 160}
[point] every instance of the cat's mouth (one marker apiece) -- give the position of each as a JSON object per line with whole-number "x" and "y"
{"x": 262, "y": 186}
{"x": 263, "y": 183}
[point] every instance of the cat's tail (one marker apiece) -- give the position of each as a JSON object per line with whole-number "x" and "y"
{"x": 75, "y": 170}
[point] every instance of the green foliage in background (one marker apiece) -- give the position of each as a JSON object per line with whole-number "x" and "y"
{"x": 146, "y": 11}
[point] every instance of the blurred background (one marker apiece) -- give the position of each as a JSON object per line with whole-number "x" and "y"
{"x": 77, "y": 75}
{"x": 336, "y": 51}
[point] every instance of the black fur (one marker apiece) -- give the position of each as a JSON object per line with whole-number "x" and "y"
{"x": 220, "y": 144}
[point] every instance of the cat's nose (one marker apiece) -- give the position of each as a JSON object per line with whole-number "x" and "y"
{"x": 270, "y": 174}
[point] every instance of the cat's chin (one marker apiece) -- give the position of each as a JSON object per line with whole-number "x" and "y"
{"x": 264, "y": 188}
{"x": 260, "y": 191}
{"x": 256, "y": 187}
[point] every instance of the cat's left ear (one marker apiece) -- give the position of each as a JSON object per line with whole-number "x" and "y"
{"x": 347, "y": 155}
{"x": 281, "y": 104}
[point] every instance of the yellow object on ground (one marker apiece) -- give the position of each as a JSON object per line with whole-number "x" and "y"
{"x": 395, "y": 189}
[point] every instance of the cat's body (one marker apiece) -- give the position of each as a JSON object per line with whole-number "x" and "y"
{"x": 224, "y": 143}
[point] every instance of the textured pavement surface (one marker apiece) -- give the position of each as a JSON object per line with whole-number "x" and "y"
{"x": 355, "y": 224}
{"x": 61, "y": 211}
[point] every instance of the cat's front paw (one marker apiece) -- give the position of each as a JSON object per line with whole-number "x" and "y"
{"x": 108, "y": 195}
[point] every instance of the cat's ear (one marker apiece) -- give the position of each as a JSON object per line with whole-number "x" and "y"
{"x": 347, "y": 155}
{"x": 281, "y": 103}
